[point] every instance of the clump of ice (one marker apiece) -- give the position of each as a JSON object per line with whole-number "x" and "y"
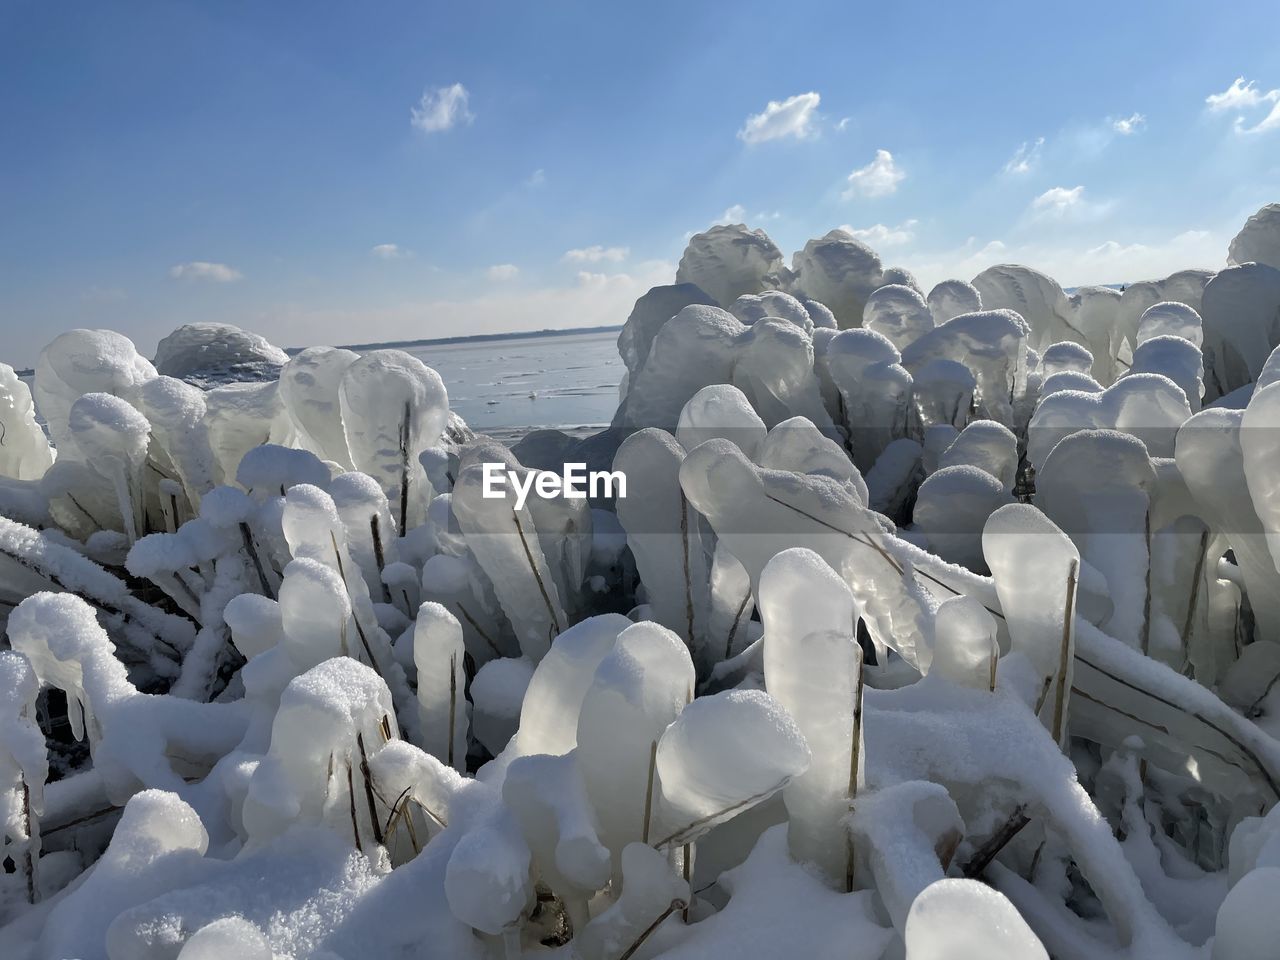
{"x": 335, "y": 701}
{"x": 211, "y": 353}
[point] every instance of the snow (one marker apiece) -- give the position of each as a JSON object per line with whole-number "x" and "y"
{"x": 899, "y": 313}
{"x": 639, "y": 687}
{"x": 26, "y": 453}
{"x": 959, "y": 918}
{"x": 1259, "y": 239}
{"x": 950, "y": 298}
{"x": 729, "y": 260}
{"x": 928, "y": 627}
{"x": 309, "y": 386}
{"x": 808, "y": 616}
{"x": 402, "y": 407}
{"x": 840, "y": 272}
{"x": 208, "y": 353}
{"x": 750, "y": 308}
{"x": 722, "y": 755}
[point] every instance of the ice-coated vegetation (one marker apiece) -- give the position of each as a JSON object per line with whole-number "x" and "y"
{"x": 933, "y": 625}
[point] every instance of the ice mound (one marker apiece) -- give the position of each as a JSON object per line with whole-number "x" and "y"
{"x": 929, "y": 626}
{"x": 208, "y": 354}
{"x": 729, "y": 260}
{"x": 1259, "y": 239}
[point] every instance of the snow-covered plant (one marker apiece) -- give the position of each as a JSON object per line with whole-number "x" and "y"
{"x": 929, "y": 626}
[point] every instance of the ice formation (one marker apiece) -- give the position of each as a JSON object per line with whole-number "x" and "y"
{"x": 930, "y": 626}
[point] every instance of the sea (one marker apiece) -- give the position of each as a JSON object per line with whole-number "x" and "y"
{"x": 507, "y": 387}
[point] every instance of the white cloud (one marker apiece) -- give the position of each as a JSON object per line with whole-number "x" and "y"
{"x": 1058, "y": 200}
{"x": 203, "y": 270}
{"x": 441, "y": 108}
{"x": 1270, "y": 122}
{"x": 596, "y": 254}
{"x": 502, "y": 271}
{"x": 843, "y": 124}
{"x": 389, "y": 251}
{"x": 1130, "y": 124}
{"x": 793, "y": 117}
{"x": 878, "y": 235}
{"x": 879, "y": 178}
{"x": 1026, "y": 157}
{"x": 537, "y": 178}
{"x": 735, "y": 214}
{"x": 1068, "y": 203}
{"x": 1241, "y": 95}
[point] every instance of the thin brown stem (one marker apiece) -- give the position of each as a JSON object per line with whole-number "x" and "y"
{"x": 983, "y": 856}
{"x": 648, "y": 931}
{"x": 542, "y": 587}
{"x": 247, "y": 535}
{"x": 351, "y": 794}
{"x": 648, "y": 792}
{"x": 453, "y": 701}
{"x": 1060, "y": 698}
{"x": 374, "y": 820}
{"x": 855, "y": 757}
{"x": 404, "y": 468}
{"x": 379, "y": 558}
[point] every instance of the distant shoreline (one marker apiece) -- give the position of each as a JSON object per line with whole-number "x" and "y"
{"x": 441, "y": 341}
{"x": 475, "y": 338}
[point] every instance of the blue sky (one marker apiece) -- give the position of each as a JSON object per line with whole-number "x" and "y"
{"x": 259, "y": 163}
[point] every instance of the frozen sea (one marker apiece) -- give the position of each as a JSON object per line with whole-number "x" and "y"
{"x": 508, "y": 387}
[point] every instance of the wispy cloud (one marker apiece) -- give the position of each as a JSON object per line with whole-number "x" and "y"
{"x": 597, "y": 254}
{"x": 1026, "y": 157}
{"x": 794, "y": 117}
{"x": 1244, "y": 96}
{"x": 735, "y": 214}
{"x": 879, "y": 178}
{"x": 878, "y": 235}
{"x": 738, "y": 214}
{"x": 441, "y": 108}
{"x": 537, "y": 178}
{"x": 203, "y": 270}
{"x": 1068, "y": 204}
{"x": 389, "y": 251}
{"x": 1058, "y": 201}
{"x": 500, "y": 272}
{"x": 1129, "y": 125}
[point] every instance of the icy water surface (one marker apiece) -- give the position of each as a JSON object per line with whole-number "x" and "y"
{"x": 514, "y": 386}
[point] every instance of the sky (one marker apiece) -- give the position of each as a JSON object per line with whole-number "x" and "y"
{"x": 334, "y": 173}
